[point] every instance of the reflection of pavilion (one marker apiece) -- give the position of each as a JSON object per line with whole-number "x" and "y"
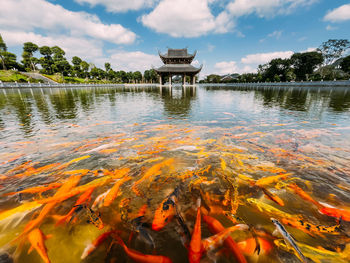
{"x": 177, "y": 62}
{"x": 178, "y": 100}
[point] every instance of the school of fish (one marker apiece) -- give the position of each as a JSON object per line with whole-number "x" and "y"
{"x": 172, "y": 193}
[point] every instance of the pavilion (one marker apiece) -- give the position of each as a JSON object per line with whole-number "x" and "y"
{"x": 177, "y": 62}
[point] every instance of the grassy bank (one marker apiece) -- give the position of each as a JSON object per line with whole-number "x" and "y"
{"x": 12, "y": 76}
{"x": 59, "y": 79}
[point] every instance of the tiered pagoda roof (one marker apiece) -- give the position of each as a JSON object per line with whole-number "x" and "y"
{"x": 178, "y": 61}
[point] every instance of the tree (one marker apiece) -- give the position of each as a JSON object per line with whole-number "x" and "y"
{"x": 278, "y": 66}
{"x": 9, "y": 60}
{"x": 60, "y": 62}
{"x": 345, "y": 64}
{"x": 3, "y": 49}
{"x": 76, "y": 61}
{"x": 29, "y": 61}
{"x": 333, "y": 49}
{"x": 305, "y": 63}
{"x": 46, "y": 62}
{"x": 137, "y": 76}
{"x": 85, "y": 68}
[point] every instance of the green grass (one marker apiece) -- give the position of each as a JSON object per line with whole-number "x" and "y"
{"x": 12, "y": 76}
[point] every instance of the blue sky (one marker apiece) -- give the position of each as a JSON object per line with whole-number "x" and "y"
{"x": 229, "y": 35}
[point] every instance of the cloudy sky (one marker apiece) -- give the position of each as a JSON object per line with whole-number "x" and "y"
{"x": 229, "y": 35}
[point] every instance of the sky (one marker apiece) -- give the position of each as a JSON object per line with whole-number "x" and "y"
{"x": 230, "y": 36}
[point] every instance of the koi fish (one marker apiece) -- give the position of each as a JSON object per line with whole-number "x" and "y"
{"x": 113, "y": 192}
{"x": 272, "y": 179}
{"x": 248, "y": 246}
{"x": 165, "y": 212}
{"x": 288, "y": 238}
{"x": 37, "y": 240}
{"x": 336, "y": 212}
{"x": 37, "y": 189}
{"x": 66, "y": 187}
{"x": 268, "y": 209}
{"x": 195, "y": 248}
{"x": 296, "y": 189}
{"x": 95, "y": 244}
{"x": 99, "y": 200}
{"x": 20, "y": 211}
{"x": 82, "y": 199}
{"x": 216, "y": 227}
{"x": 94, "y": 217}
{"x": 154, "y": 170}
{"x": 213, "y": 242}
{"x": 319, "y": 254}
{"x": 139, "y": 257}
{"x": 272, "y": 196}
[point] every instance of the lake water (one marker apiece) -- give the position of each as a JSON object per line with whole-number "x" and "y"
{"x": 248, "y": 155}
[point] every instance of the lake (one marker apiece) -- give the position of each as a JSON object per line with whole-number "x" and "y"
{"x": 143, "y": 164}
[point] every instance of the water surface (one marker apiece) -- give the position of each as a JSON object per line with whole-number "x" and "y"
{"x": 212, "y": 143}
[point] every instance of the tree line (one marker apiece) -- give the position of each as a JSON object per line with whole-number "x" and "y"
{"x": 53, "y": 61}
{"x": 325, "y": 63}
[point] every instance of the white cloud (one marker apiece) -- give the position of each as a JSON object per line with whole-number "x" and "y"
{"x": 225, "y": 67}
{"x": 30, "y": 15}
{"x": 185, "y": 18}
{"x": 131, "y": 61}
{"x": 339, "y": 14}
{"x": 262, "y": 58}
{"x": 229, "y": 67}
{"x": 115, "y": 6}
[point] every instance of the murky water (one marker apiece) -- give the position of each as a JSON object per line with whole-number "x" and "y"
{"x": 133, "y": 162}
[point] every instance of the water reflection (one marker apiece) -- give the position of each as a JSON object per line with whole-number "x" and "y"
{"x": 178, "y": 101}
{"x": 53, "y": 105}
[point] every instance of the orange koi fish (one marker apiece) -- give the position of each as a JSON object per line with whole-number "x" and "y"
{"x": 139, "y": 257}
{"x": 37, "y": 189}
{"x": 154, "y": 170}
{"x": 195, "y": 248}
{"x": 99, "y": 200}
{"x": 74, "y": 161}
{"x": 248, "y": 246}
{"x": 66, "y": 187}
{"x": 336, "y": 212}
{"x": 296, "y": 189}
{"x": 213, "y": 242}
{"x": 216, "y": 227}
{"x": 37, "y": 240}
{"x": 84, "y": 198}
{"x": 272, "y": 179}
{"x": 95, "y": 244}
{"x": 164, "y": 213}
{"x": 113, "y": 192}
{"x": 272, "y": 196}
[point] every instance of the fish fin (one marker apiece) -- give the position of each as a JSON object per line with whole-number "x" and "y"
{"x": 199, "y": 200}
{"x": 30, "y": 249}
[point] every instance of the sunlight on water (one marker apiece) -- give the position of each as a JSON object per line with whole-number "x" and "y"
{"x": 133, "y": 162}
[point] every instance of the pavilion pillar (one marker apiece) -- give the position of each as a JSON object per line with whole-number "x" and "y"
{"x": 193, "y": 81}
{"x": 160, "y": 80}
{"x": 170, "y": 80}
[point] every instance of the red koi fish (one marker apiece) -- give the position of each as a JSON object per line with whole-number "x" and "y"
{"x": 336, "y": 212}
{"x": 139, "y": 257}
{"x": 195, "y": 249}
{"x": 216, "y": 227}
{"x": 37, "y": 240}
{"x": 296, "y": 189}
{"x": 95, "y": 244}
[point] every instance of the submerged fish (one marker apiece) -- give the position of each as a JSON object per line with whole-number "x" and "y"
{"x": 37, "y": 241}
{"x": 139, "y": 257}
{"x": 95, "y": 244}
{"x": 288, "y": 238}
